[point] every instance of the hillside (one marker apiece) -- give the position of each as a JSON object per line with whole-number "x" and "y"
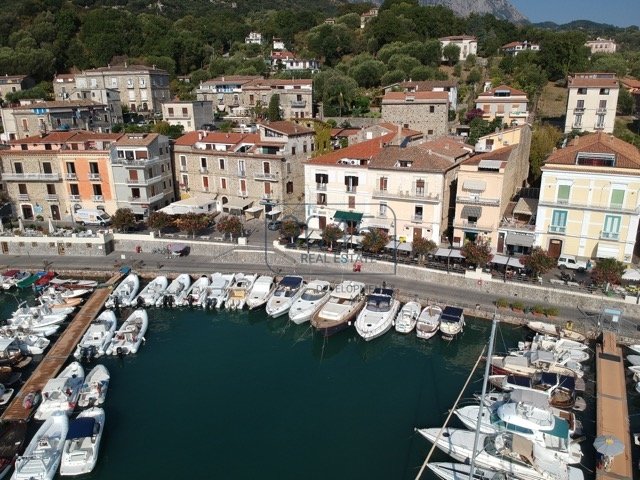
{"x": 502, "y": 9}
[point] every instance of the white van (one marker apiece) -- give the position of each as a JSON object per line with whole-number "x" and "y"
{"x": 92, "y": 217}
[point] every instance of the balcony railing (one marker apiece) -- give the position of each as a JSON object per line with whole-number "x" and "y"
{"x": 242, "y": 173}
{"x": 584, "y": 206}
{"x": 74, "y": 198}
{"x": 183, "y": 168}
{"x": 610, "y": 235}
{"x": 518, "y": 114}
{"x": 31, "y": 177}
{"x": 321, "y": 187}
{"x": 352, "y": 189}
{"x": 482, "y": 148}
{"x": 23, "y": 197}
{"x": 97, "y": 198}
{"x": 579, "y": 110}
{"x": 507, "y": 225}
{"x": 140, "y": 162}
{"x": 94, "y": 177}
{"x": 143, "y": 181}
{"x": 298, "y": 103}
{"x": 416, "y": 218}
{"x": 472, "y": 225}
{"x": 601, "y": 111}
{"x": 51, "y": 197}
{"x": 204, "y": 170}
{"x": 152, "y": 199}
{"x": 243, "y": 193}
{"x": 557, "y": 228}
{"x": 270, "y": 177}
{"x": 414, "y": 194}
{"x": 478, "y": 201}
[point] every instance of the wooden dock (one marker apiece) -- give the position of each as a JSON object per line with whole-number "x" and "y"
{"x": 59, "y": 353}
{"x": 611, "y": 402}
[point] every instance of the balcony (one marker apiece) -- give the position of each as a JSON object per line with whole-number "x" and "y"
{"x": 298, "y": 103}
{"x": 466, "y": 224}
{"x": 466, "y": 200}
{"x": 23, "y": 197}
{"x": 578, "y": 110}
{"x": 243, "y": 193}
{"x": 74, "y": 198}
{"x": 142, "y": 200}
{"x": 141, "y": 162}
{"x": 71, "y": 176}
{"x": 321, "y": 187}
{"x": 591, "y": 207}
{"x": 557, "y": 229}
{"x": 517, "y": 226}
{"x": 143, "y": 181}
{"x": 94, "y": 177}
{"x": 351, "y": 189}
{"x": 519, "y": 114}
{"x": 416, "y": 218}
{"x": 51, "y": 197}
{"x": 610, "y": 235}
{"x": 204, "y": 170}
{"x": 601, "y": 111}
{"x": 267, "y": 177}
{"x": 97, "y": 198}
{"x": 411, "y": 195}
{"x": 31, "y": 177}
{"x": 482, "y": 148}
{"x": 183, "y": 168}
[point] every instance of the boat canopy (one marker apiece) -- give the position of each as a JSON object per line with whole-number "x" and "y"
{"x": 451, "y": 314}
{"x": 563, "y": 381}
{"x": 560, "y": 428}
{"x": 55, "y": 384}
{"x": 378, "y": 303}
{"x": 81, "y": 428}
{"x": 542, "y": 356}
{"x": 383, "y": 291}
{"x": 523, "y": 447}
{"x": 534, "y": 397}
{"x": 6, "y": 343}
{"x": 291, "y": 281}
{"x": 519, "y": 380}
{"x": 348, "y": 290}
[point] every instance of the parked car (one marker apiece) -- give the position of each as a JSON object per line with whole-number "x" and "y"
{"x": 274, "y": 225}
{"x": 572, "y": 263}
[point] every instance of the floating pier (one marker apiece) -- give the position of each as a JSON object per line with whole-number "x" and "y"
{"x": 59, "y": 353}
{"x": 611, "y": 403}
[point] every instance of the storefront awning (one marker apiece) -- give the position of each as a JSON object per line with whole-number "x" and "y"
{"x": 310, "y": 235}
{"x": 274, "y": 211}
{"x": 520, "y": 240}
{"x": 526, "y": 206}
{"x": 392, "y": 245}
{"x": 607, "y": 251}
{"x": 353, "y": 240}
{"x": 448, "y": 252}
{"x": 475, "y": 185}
{"x": 236, "y": 204}
{"x": 344, "y": 216}
{"x": 471, "y": 211}
{"x": 253, "y": 210}
{"x": 405, "y": 247}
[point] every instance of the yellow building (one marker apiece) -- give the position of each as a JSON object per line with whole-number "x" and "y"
{"x": 499, "y": 139}
{"x": 588, "y": 204}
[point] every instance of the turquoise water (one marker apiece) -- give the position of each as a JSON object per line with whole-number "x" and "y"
{"x": 239, "y": 396}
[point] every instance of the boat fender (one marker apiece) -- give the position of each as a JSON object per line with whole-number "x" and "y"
{"x": 479, "y": 283}
{"x": 144, "y": 340}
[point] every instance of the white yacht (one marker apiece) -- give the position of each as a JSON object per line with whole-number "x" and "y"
{"x": 60, "y": 394}
{"x": 41, "y": 458}
{"x": 130, "y": 335}
{"x": 239, "y": 291}
{"x": 559, "y": 390}
{"x": 512, "y": 454}
{"x": 378, "y": 314}
{"x": 314, "y": 296}
{"x": 124, "y": 293}
{"x": 95, "y": 386}
{"x": 218, "y": 289}
{"x": 82, "y": 445}
{"x": 289, "y": 289}
{"x": 342, "y": 308}
{"x": 408, "y": 317}
{"x": 152, "y": 292}
{"x": 462, "y": 471}
{"x": 98, "y": 336}
{"x": 176, "y": 288}
{"x": 261, "y": 292}
{"x": 451, "y": 322}
{"x": 195, "y": 294}
{"x": 428, "y": 322}
{"x": 533, "y": 362}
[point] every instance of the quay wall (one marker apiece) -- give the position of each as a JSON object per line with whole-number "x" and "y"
{"x": 98, "y": 246}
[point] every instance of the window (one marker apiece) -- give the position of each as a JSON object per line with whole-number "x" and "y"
{"x": 558, "y": 221}
{"x": 577, "y": 121}
{"x": 170, "y": 111}
{"x": 267, "y": 188}
{"x": 611, "y": 228}
{"x": 73, "y": 188}
{"x": 185, "y": 181}
{"x": 417, "y": 213}
{"x": 51, "y": 189}
{"x": 203, "y": 163}
{"x": 205, "y": 183}
{"x": 321, "y": 199}
{"x": 243, "y": 186}
{"x": 221, "y": 163}
{"x": 602, "y": 105}
{"x": 97, "y": 190}
{"x": 304, "y": 148}
{"x": 46, "y": 167}
{"x": 600, "y": 121}
{"x": 432, "y": 109}
{"x": 582, "y": 91}
{"x": 135, "y": 193}
{"x": 17, "y": 168}
{"x": 223, "y": 183}
{"x": 293, "y": 150}
{"x": 604, "y": 91}
{"x": 22, "y": 188}
{"x": 383, "y": 184}
{"x": 351, "y": 183}
{"x": 266, "y": 167}
{"x": 563, "y": 193}
{"x": 289, "y": 188}
{"x": 25, "y": 125}
{"x": 93, "y": 168}
{"x": 617, "y": 198}
{"x": 580, "y": 105}
{"x": 382, "y": 209}
{"x": 352, "y": 201}
{"x": 288, "y": 168}
{"x": 429, "y": 132}
{"x": 420, "y": 188}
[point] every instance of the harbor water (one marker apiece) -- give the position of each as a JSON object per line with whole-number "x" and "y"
{"x": 238, "y": 395}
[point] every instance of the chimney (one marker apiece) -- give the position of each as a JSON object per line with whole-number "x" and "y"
{"x": 200, "y": 135}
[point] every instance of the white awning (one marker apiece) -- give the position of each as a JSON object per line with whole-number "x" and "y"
{"x": 607, "y": 251}
{"x": 475, "y": 185}
{"x": 354, "y": 240}
{"x": 405, "y": 247}
{"x": 499, "y": 260}
{"x": 311, "y": 235}
{"x": 392, "y": 245}
{"x": 237, "y": 204}
{"x": 253, "y": 209}
{"x": 519, "y": 240}
{"x": 490, "y": 164}
{"x": 274, "y": 211}
{"x": 448, "y": 252}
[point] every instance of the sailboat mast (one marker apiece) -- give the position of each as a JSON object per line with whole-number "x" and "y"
{"x": 487, "y": 368}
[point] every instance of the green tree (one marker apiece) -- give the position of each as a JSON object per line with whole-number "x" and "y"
{"x": 193, "y": 222}
{"x": 273, "y": 112}
{"x": 368, "y": 73}
{"x": 562, "y": 53}
{"x": 159, "y": 220}
{"x": 538, "y": 261}
{"x": 608, "y": 270}
{"x": 451, "y": 53}
{"x": 477, "y": 253}
{"x": 392, "y": 77}
{"x": 401, "y": 61}
{"x": 626, "y": 102}
{"x": 474, "y": 77}
{"x": 230, "y": 225}
{"x": 171, "y": 131}
{"x": 290, "y": 229}
{"x": 123, "y": 219}
{"x": 423, "y": 247}
{"x": 543, "y": 140}
{"x": 331, "y": 234}
{"x": 375, "y": 240}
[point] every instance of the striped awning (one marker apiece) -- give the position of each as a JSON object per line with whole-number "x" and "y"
{"x": 475, "y": 185}
{"x": 471, "y": 211}
{"x": 519, "y": 240}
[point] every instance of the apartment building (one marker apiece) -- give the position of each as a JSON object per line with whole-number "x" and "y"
{"x": 288, "y": 61}
{"x": 192, "y": 115}
{"x": 427, "y": 112}
{"x": 254, "y": 38}
{"x": 14, "y": 83}
{"x": 589, "y": 204}
{"x": 592, "y": 102}
{"x": 224, "y": 91}
{"x": 486, "y": 184}
{"x": 449, "y": 86}
{"x": 366, "y": 17}
{"x": 468, "y": 45}
{"x": 602, "y": 45}
{"x": 514, "y": 48}
{"x": 504, "y": 102}
{"x": 500, "y": 139}
{"x": 247, "y": 173}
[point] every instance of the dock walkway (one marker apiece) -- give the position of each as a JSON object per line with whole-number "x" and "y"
{"x": 59, "y": 353}
{"x": 612, "y": 411}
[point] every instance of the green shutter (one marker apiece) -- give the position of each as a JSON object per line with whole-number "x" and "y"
{"x": 617, "y": 197}
{"x": 563, "y": 192}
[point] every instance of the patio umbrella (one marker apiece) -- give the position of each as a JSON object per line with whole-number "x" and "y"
{"x": 631, "y": 275}
{"x": 608, "y": 445}
{"x": 20, "y": 225}
{"x": 51, "y": 227}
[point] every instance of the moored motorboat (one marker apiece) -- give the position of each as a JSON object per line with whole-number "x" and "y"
{"x": 124, "y": 293}
{"x": 342, "y": 308}
{"x": 560, "y": 390}
{"x": 28, "y": 281}
{"x": 218, "y": 289}
{"x": 408, "y": 317}
{"x": 195, "y": 294}
{"x": 289, "y": 289}
{"x": 546, "y": 328}
{"x": 95, "y": 386}
{"x": 314, "y": 296}
{"x": 11, "y": 355}
{"x": 7, "y": 279}
{"x": 32, "y": 344}
{"x": 378, "y": 314}
{"x": 634, "y": 360}
{"x": 60, "y": 394}
{"x": 42, "y": 282}
{"x": 451, "y": 322}
{"x": 96, "y": 340}
{"x": 5, "y": 395}
{"x": 239, "y": 291}
{"x": 262, "y": 290}
{"x": 130, "y": 335}
{"x": 175, "y": 289}
{"x": 428, "y": 322}
{"x": 82, "y": 444}
{"x": 534, "y": 362}
{"x": 152, "y": 292}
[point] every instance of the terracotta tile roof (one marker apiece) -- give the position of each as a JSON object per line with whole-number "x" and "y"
{"x": 501, "y": 154}
{"x": 394, "y": 97}
{"x": 363, "y": 150}
{"x": 406, "y": 132}
{"x": 53, "y": 137}
{"x": 580, "y": 80}
{"x": 137, "y": 139}
{"x": 191, "y": 138}
{"x": 288, "y": 128}
{"x": 627, "y": 155}
{"x": 428, "y": 85}
{"x": 422, "y": 159}
{"x": 511, "y": 45}
{"x": 85, "y": 136}
{"x": 492, "y": 92}
{"x": 231, "y": 79}
{"x": 458, "y": 37}
{"x": 344, "y": 132}
{"x": 448, "y": 147}
{"x": 272, "y": 82}
{"x": 127, "y": 68}
{"x": 13, "y": 78}
{"x": 630, "y": 82}
{"x": 61, "y": 104}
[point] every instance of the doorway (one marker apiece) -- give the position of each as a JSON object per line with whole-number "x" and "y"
{"x": 5, "y": 248}
{"x": 55, "y": 212}
{"x": 322, "y": 222}
{"x": 417, "y": 234}
{"x": 555, "y": 248}
{"x": 60, "y": 248}
{"x": 500, "y": 242}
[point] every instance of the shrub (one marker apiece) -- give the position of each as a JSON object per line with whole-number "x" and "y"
{"x": 518, "y": 305}
{"x": 538, "y": 309}
{"x": 551, "y": 312}
{"x": 502, "y": 303}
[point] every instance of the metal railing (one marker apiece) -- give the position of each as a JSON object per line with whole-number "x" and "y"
{"x": 298, "y": 103}
{"x": 33, "y": 177}
{"x": 97, "y": 198}
{"x": 265, "y": 176}
{"x": 416, "y": 218}
{"x": 94, "y": 177}
{"x": 322, "y": 187}
{"x": 478, "y": 200}
{"x": 609, "y": 235}
{"x": 472, "y": 225}
{"x": 588, "y": 206}
{"x": 74, "y": 198}
{"x": 557, "y": 229}
{"x": 51, "y": 197}
{"x": 23, "y": 197}
{"x": 408, "y": 195}
{"x": 71, "y": 176}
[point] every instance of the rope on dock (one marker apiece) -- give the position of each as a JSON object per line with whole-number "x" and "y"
{"x": 435, "y": 442}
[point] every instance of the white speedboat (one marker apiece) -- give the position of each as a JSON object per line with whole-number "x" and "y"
{"x": 69, "y": 293}
{"x": 262, "y": 289}
{"x": 195, "y": 294}
{"x": 551, "y": 343}
{"x": 239, "y": 291}
{"x": 555, "y": 330}
{"x": 634, "y": 348}
{"x": 534, "y": 362}
{"x": 98, "y": 336}
{"x": 5, "y": 395}
{"x": 177, "y": 288}
{"x": 130, "y": 335}
{"x": 152, "y": 292}
{"x": 60, "y": 394}
{"x": 12, "y": 277}
{"x": 513, "y": 454}
{"x": 634, "y": 360}
{"x": 451, "y": 322}
{"x": 32, "y": 344}
{"x": 342, "y": 308}
{"x": 314, "y": 296}
{"x": 559, "y": 389}
{"x": 95, "y": 386}
{"x": 462, "y": 471}
{"x": 408, "y": 317}
{"x": 428, "y": 322}
{"x": 579, "y": 356}
{"x": 40, "y": 313}
{"x": 54, "y": 300}
{"x": 124, "y": 293}
{"x": 41, "y": 458}
{"x": 82, "y": 445}
{"x": 378, "y": 314}
{"x": 218, "y": 289}
{"x": 289, "y": 289}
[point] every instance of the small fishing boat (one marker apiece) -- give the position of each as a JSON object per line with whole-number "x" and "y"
{"x": 11, "y": 355}
{"x": 95, "y": 386}
{"x": 342, "y": 308}
{"x": 42, "y": 456}
{"x": 130, "y": 336}
{"x": 534, "y": 362}
{"x": 378, "y": 314}
{"x": 31, "y": 400}
{"x": 10, "y": 378}
{"x": 287, "y": 292}
{"x": 408, "y": 317}
{"x": 11, "y": 277}
{"x": 218, "y": 289}
{"x": 262, "y": 289}
{"x": 60, "y": 394}
{"x": 41, "y": 310}
{"x": 462, "y": 471}
{"x": 194, "y": 295}
{"x": 73, "y": 284}
{"x": 314, "y": 296}
{"x": 69, "y": 293}
{"x": 579, "y": 356}
{"x": 635, "y": 369}
{"x": 239, "y": 291}
{"x": 96, "y": 340}
{"x": 428, "y": 322}
{"x": 82, "y": 444}
{"x": 26, "y": 282}
{"x": 12, "y": 438}
{"x": 31, "y": 344}
{"x": 559, "y": 389}
{"x": 42, "y": 282}
{"x": 37, "y": 320}
{"x": 451, "y": 322}
{"x": 555, "y": 330}
{"x": 57, "y": 303}
{"x": 5, "y": 395}
{"x": 634, "y": 348}
{"x": 124, "y": 293}
{"x": 152, "y": 292}
{"x": 176, "y": 288}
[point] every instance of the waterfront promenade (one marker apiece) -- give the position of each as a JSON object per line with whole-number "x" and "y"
{"x": 59, "y": 353}
{"x": 611, "y": 404}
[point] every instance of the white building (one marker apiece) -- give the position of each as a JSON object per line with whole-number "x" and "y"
{"x": 254, "y": 38}
{"x": 506, "y": 103}
{"x": 514, "y": 48}
{"x": 602, "y": 45}
{"x": 468, "y": 45}
{"x": 192, "y": 115}
{"x": 592, "y": 102}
